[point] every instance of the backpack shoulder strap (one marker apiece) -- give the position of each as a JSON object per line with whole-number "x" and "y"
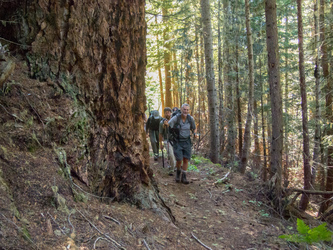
{"x": 179, "y": 116}
{"x": 191, "y": 121}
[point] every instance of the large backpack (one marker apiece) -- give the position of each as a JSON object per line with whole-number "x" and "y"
{"x": 176, "y": 112}
{"x": 154, "y": 123}
{"x": 175, "y": 131}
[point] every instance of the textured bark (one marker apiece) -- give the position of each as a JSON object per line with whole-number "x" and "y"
{"x": 101, "y": 47}
{"x": 306, "y": 150}
{"x": 212, "y": 104}
{"x": 247, "y": 136}
{"x": 276, "y": 98}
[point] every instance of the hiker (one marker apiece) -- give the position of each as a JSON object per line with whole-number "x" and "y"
{"x": 181, "y": 126}
{"x": 152, "y": 127}
{"x": 175, "y": 111}
{"x": 164, "y": 139}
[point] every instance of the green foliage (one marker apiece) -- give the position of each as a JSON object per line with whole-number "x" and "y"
{"x": 193, "y": 168}
{"x": 80, "y": 197}
{"x": 307, "y": 235}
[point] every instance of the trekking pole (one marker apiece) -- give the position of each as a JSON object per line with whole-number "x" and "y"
{"x": 163, "y": 157}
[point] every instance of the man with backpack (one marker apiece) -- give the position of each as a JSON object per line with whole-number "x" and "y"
{"x": 152, "y": 127}
{"x": 164, "y": 139}
{"x": 181, "y": 126}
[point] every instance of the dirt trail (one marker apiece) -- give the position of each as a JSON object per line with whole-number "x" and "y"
{"x": 222, "y": 216}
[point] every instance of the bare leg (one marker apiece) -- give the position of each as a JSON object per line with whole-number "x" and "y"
{"x": 178, "y": 165}
{"x": 185, "y": 164}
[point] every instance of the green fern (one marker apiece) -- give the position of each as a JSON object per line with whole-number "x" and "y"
{"x": 307, "y": 235}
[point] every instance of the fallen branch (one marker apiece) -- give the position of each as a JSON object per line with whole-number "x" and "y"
{"x": 314, "y": 192}
{"x": 222, "y": 179}
{"x": 202, "y": 244}
{"x": 108, "y": 237}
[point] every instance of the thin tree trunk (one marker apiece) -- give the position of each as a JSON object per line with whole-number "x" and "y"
{"x": 167, "y": 59}
{"x": 159, "y": 71}
{"x": 239, "y": 104}
{"x": 286, "y": 104}
{"x": 317, "y": 138}
{"x": 176, "y": 82}
{"x": 306, "y": 150}
{"x": 329, "y": 113}
{"x": 276, "y": 98}
{"x": 229, "y": 152}
{"x": 220, "y": 82}
{"x": 247, "y": 135}
{"x": 211, "y": 89}
{"x": 199, "y": 80}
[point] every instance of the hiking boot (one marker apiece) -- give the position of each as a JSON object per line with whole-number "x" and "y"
{"x": 155, "y": 158}
{"x": 178, "y": 175}
{"x": 183, "y": 180}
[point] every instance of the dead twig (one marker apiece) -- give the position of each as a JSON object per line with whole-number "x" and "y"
{"x": 146, "y": 245}
{"x": 69, "y": 221}
{"x": 96, "y": 196}
{"x": 13, "y": 115}
{"x": 113, "y": 219}
{"x": 202, "y": 244}
{"x": 56, "y": 223}
{"x": 99, "y": 238}
{"x": 210, "y": 194}
{"x": 18, "y": 228}
{"x": 108, "y": 237}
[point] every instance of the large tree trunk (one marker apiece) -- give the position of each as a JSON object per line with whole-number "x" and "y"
{"x": 212, "y": 105}
{"x": 101, "y": 47}
{"x": 306, "y": 150}
{"x": 276, "y": 98}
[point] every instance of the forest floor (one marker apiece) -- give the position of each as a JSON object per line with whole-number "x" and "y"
{"x": 39, "y": 209}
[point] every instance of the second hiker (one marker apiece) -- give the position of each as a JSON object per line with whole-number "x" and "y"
{"x": 153, "y": 125}
{"x": 164, "y": 137}
{"x": 181, "y": 126}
